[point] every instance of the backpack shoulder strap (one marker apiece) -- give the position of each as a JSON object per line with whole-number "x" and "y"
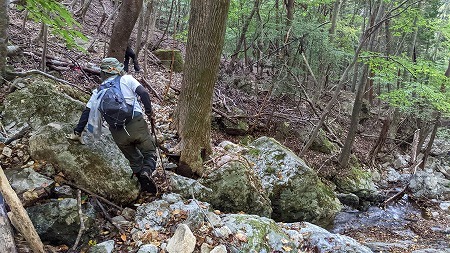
{"x": 112, "y": 83}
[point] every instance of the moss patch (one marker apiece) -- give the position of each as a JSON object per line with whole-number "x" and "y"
{"x": 167, "y": 56}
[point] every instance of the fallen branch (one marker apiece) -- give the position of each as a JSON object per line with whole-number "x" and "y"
{"x": 82, "y": 228}
{"x": 121, "y": 231}
{"x": 416, "y": 163}
{"x": 225, "y": 116}
{"x": 60, "y": 64}
{"x": 35, "y": 71}
{"x": 91, "y": 193}
{"x": 147, "y": 84}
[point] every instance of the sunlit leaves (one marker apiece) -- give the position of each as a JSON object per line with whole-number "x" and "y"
{"x": 57, "y": 18}
{"x": 423, "y": 85}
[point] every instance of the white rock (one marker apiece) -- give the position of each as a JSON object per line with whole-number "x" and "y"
{"x": 219, "y": 249}
{"x": 183, "y": 241}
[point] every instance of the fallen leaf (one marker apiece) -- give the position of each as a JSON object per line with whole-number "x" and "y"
{"x": 286, "y": 248}
{"x": 123, "y": 237}
{"x": 176, "y": 211}
{"x": 217, "y": 212}
{"x": 159, "y": 213}
{"x": 241, "y": 237}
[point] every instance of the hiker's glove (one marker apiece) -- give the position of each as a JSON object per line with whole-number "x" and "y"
{"x": 75, "y": 136}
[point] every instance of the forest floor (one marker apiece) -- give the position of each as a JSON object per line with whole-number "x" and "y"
{"x": 160, "y": 78}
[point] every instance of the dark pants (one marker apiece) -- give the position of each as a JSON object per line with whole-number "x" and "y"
{"x": 130, "y": 53}
{"x": 136, "y": 144}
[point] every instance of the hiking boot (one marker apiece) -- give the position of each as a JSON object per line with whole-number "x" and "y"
{"x": 146, "y": 181}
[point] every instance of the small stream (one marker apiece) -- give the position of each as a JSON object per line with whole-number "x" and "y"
{"x": 391, "y": 229}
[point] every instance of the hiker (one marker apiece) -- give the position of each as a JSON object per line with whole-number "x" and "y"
{"x": 130, "y": 53}
{"x": 133, "y": 139}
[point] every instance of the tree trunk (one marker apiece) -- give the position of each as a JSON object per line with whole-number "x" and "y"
{"x": 167, "y": 26}
{"x": 344, "y": 157}
{"x": 19, "y": 216}
{"x": 123, "y": 26}
{"x": 4, "y": 21}
{"x": 289, "y": 12}
{"x": 44, "y": 48}
{"x": 430, "y": 142}
{"x": 207, "y": 24}
{"x": 334, "y": 15}
{"x": 242, "y": 37}
{"x": 144, "y": 22}
{"x": 380, "y": 141}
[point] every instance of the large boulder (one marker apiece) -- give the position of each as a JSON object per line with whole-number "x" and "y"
{"x": 171, "y": 58}
{"x": 50, "y": 114}
{"x": 429, "y": 184}
{"x": 296, "y": 192}
{"x": 243, "y": 232}
{"x": 357, "y": 181}
{"x": 58, "y": 221}
{"x": 237, "y": 188}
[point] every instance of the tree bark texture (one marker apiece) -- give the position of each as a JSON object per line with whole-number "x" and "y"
{"x": 4, "y": 21}
{"x": 19, "y": 216}
{"x": 206, "y": 35}
{"x": 123, "y": 26}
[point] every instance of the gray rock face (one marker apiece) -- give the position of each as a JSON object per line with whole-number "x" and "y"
{"x": 249, "y": 233}
{"x": 426, "y": 184}
{"x": 296, "y": 192}
{"x": 357, "y": 181}
{"x": 237, "y": 188}
{"x": 104, "y": 247}
{"x": 259, "y": 234}
{"x": 325, "y": 241}
{"x": 58, "y": 221}
{"x": 159, "y": 212}
{"x": 187, "y": 186}
{"x": 98, "y": 166}
{"x": 27, "y": 179}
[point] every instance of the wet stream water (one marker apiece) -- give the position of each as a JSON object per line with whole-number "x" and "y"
{"x": 400, "y": 227}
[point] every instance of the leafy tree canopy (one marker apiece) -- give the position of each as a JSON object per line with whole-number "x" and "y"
{"x": 57, "y": 18}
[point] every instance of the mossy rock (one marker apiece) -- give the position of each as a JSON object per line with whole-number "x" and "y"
{"x": 166, "y": 56}
{"x": 322, "y": 144}
{"x": 356, "y": 180}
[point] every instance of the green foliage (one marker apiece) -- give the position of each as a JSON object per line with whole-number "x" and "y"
{"x": 57, "y": 18}
{"x": 423, "y": 89}
{"x": 443, "y": 133}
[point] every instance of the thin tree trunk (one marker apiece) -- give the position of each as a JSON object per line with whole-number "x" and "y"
{"x": 344, "y": 157}
{"x": 367, "y": 33}
{"x": 167, "y": 27}
{"x": 334, "y": 16}
{"x": 83, "y": 9}
{"x": 144, "y": 23}
{"x": 235, "y": 54}
{"x": 430, "y": 142}
{"x": 4, "y": 22}
{"x": 380, "y": 141}
{"x": 44, "y": 49}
